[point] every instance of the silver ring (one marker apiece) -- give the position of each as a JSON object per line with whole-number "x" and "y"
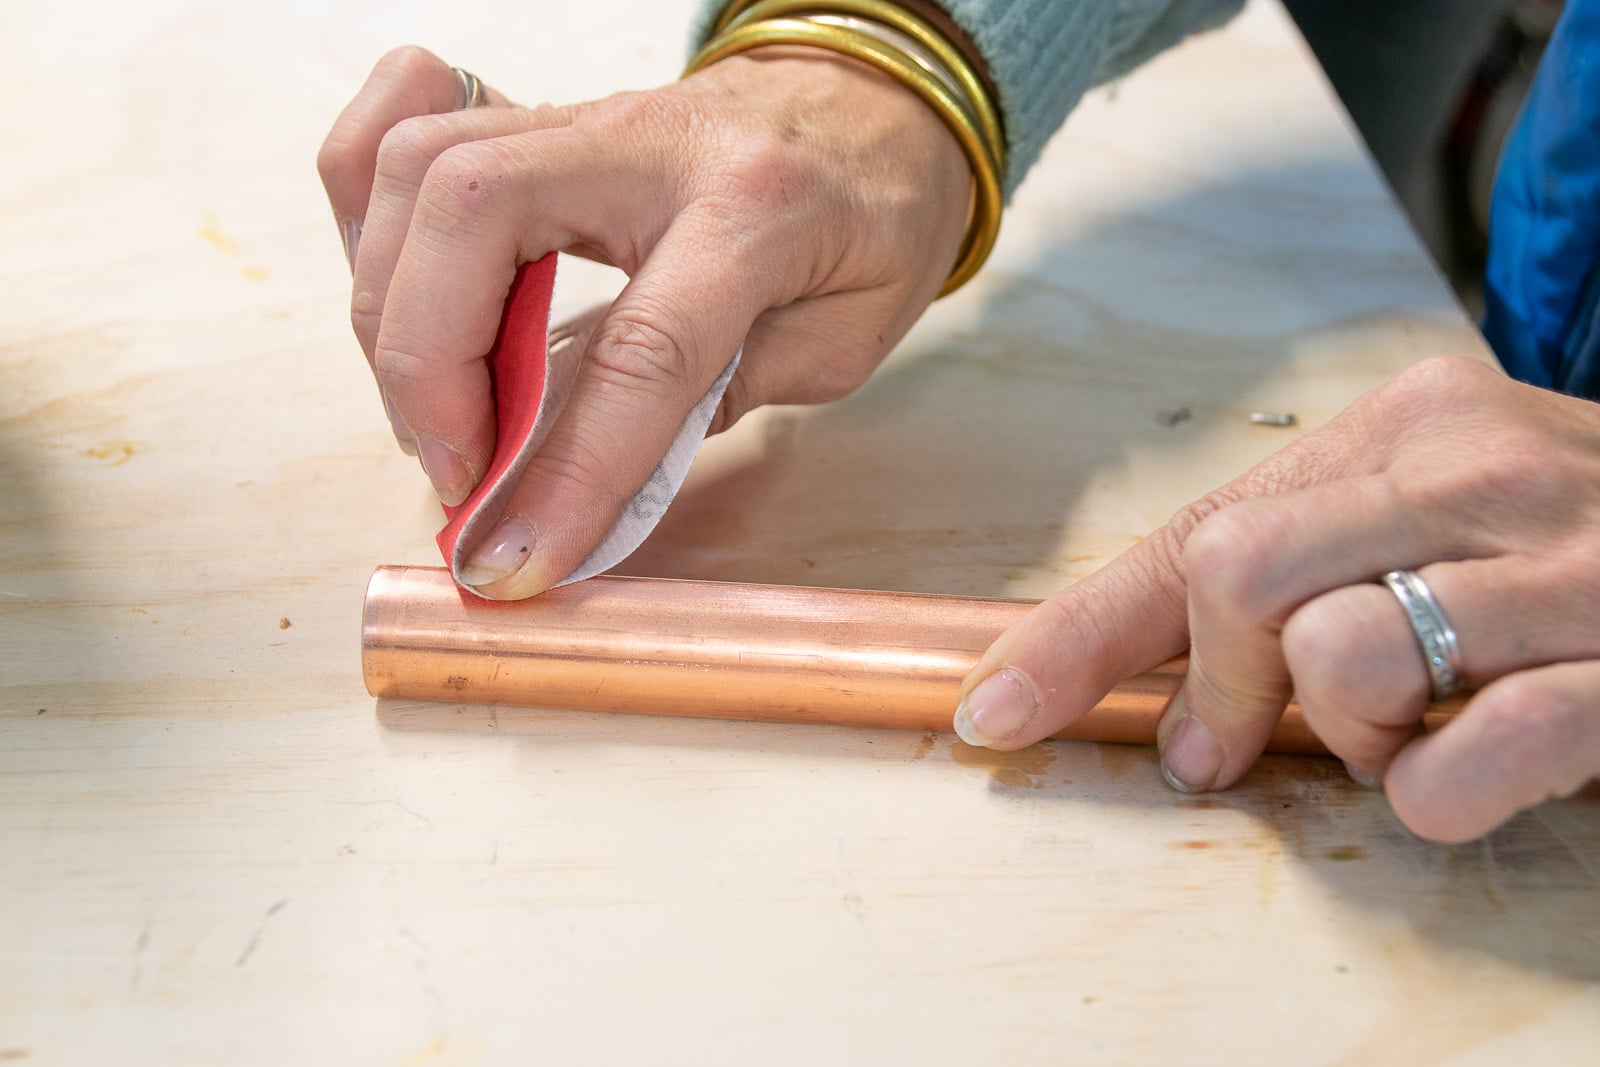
{"x": 473, "y": 94}
{"x": 1434, "y": 632}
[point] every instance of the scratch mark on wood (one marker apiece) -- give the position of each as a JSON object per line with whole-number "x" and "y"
{"x": 1572, "y": 850}
{"x": 402, "y": 805}
{"x": 255, "y": 938}
{"x": 425, "y": 977}
{"x": 139, "y": 945}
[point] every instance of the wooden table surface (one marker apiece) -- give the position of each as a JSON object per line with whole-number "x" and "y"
{"x": 215, "y": 848}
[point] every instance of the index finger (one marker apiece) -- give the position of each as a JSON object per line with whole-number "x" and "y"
{"x": 1061, "y": 659}
{"x": 1065, "y": 655}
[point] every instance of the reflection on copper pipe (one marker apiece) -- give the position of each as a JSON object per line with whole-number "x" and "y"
{"x": 719, "y": 649}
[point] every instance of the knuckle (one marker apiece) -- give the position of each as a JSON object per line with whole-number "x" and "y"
{"x": 637, "y": 353}
{"x": 761, "y": 171}
{"x": 1419, "y": 396}
{"x": 745, "y": 166}
{"x": 365, "y": 321}
{"x": 1168, "y": 546}
{"x": 632, "y": 110}
{"x": 410, "y": 146}
{"x": 406, "y": 62}
{"x": 337, "y": 158}
{"x": 656, "y": 123}
{"x": 1437, "y": 380}
{"x": 394, "y": 364}
{"x": 1320, "y": 647}
{"x": 1225, "y": 558}
{"x": 1188, "y": 518}
{"x": 465, "y": 180}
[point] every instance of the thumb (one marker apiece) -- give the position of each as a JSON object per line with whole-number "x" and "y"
{"x": 650, "y": 359}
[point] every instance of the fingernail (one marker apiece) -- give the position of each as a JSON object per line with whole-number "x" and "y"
{"x": 402, "y": 432}
{"x": 1191, "y": 759}
{"x": 499, "y": 555}
{"x": 451, "y": 477}
{"x": 1363, "y": 779}
{"x": 997, "y": 708}
{"x": 350, "y": 231}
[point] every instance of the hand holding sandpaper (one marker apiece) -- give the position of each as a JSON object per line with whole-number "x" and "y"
{"x": 804, "y": 208}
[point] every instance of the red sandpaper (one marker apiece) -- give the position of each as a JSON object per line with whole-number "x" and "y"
{"x": 532, "y": 371}
{"x": 517, "y": 365}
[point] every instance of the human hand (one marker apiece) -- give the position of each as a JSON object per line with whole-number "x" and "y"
{"x": 1490, "y": 489}
{"x": 793, "y": 200}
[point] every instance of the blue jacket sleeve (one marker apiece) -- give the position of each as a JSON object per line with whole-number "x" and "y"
{"x": 1542, "y": 284}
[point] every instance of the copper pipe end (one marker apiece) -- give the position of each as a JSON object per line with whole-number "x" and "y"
{"x": 720, "y": 650}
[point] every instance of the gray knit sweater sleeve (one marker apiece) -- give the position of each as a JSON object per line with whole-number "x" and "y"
{"x": 1045, "y": 54}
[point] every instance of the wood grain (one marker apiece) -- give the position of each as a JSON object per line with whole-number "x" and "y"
{"x": 215, "y": 847}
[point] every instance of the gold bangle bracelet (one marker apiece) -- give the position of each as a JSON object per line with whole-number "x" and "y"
{"x": 907, "y": 48}
{"x": 892, "y": 15}
{"x": 987, "y": 202}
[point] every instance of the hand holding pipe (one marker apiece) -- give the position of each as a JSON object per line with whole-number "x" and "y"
{"x": 724, "y": 650}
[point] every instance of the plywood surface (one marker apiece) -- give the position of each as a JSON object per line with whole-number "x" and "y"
{"x": 214, "y": 847}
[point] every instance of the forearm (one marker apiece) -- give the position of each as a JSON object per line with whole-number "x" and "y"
{"x": 1043, "y": 55}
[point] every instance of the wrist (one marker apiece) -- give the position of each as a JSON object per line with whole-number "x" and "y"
{"x": 908, "y": 49}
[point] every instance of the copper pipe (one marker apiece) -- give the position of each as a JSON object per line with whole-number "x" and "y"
{"x": 720, "y": 650}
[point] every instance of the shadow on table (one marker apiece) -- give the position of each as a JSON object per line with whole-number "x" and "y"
{"x": 37, "y": 571}
{"x": 1528, "y": 894}
{"x": 954, "y": 469}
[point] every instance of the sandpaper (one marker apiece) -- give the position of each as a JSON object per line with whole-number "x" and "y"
{"x": 532, "y": 367}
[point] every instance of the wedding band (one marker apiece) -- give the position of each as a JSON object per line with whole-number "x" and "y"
{"x": 1434, "y": 632}
{"x": 473, "y": 94}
